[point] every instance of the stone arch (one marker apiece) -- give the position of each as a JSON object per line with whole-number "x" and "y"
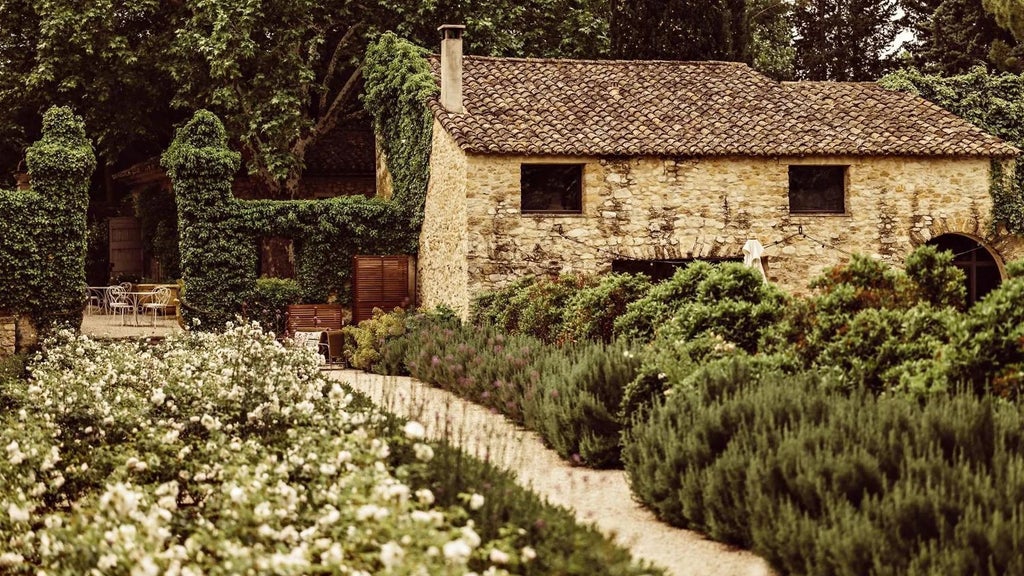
{"x": 982, "y": 265}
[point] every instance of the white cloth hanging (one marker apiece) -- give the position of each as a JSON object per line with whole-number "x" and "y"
{"x": 752, "y": 252}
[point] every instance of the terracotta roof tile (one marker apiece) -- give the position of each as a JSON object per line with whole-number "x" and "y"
{"x": 661, "y": 108}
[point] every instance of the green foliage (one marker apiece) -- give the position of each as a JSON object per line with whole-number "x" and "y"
{"x": 398, "y": 84}
{"x": 879, "y": 327}
{"x": 937, "y": 281}
{"x": 540, "y": 307}
{"x": 496, "y": 308}
{"x": 753, "y": 31}
{"x": 591, "y": 312}
{"x": 106, "y": 59}
{"x": 956, "y": 35}
{"x": 644, "y": 315}
{"x": 158, "y": 217}
{"x": 268, "y": 305}
{"x": 841, "y": 293}
{"x": 734, "y": 302}
{"x": 844, "y": 40}
{"x": 883, "y": 347}
{"x": 575, "y": 404}
{"x": 817, "y": 481}
{"x": 364, "y": 343}
{"x": 480, "y": 364}
{"x": 42, "y": 257}
{"x": 220, "y": 234}
{"x": 988, "y": 350}
{"x": 1008, "y": 14}
{"x": 420, "y": 328}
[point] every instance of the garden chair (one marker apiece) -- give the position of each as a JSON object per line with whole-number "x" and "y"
{"x": 160, "y": 301}
{"x": 119, "y": 303}
{"x": 93, "y": 302}
{"x": 313, "y": 341}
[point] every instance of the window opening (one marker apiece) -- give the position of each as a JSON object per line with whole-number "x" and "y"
{"x": 552, "y": 188}
{"x": 817, "y": 189}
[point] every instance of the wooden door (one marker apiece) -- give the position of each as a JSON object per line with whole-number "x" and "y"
{"x": 383, "y": 282}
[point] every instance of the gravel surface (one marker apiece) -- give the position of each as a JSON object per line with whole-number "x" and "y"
{"x": 106, "y": 326}
{"x": 599, "y": 497}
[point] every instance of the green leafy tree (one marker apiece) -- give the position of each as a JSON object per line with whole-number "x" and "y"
{"x": 952, "y": 36}
{"x": 280, "y": 73}
{"x": 844, "y": 40}
{"x": 1009, "y": 14}
{"x": 106, "y": 58}
{"x": 751, "y": 31}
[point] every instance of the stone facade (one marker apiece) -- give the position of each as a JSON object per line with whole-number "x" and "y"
{"x": 443, "y": 262}
{"x": 475, "y": 238}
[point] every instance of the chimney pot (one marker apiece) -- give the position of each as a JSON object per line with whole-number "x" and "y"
{"x": 451, "y": 67}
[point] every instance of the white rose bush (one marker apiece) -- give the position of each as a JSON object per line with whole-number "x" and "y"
{"x": 228, "y": 453}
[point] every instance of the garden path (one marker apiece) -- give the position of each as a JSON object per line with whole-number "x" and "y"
{"x": 106, "y": 326}
{"x": 599, "y": 497}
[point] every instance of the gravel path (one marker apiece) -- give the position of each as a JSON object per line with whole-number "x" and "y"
{"x": 600, "y": 497}
{"x": 106, "y": 326}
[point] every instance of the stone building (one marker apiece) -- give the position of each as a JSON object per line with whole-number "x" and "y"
{"x": 543, "y": 166}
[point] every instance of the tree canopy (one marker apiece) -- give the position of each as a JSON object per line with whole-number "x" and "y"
{"x": 1009, "y": 14}
{"x": 751, "y": 31}
{"x": 281, "y": 73}
{"x": 953, "y": 36}
{"x": 845, "y": 40}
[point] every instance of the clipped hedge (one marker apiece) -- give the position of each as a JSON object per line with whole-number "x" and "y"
{"x": 42, "y": 255}
{"x": 821, "y": 482}
{"x": 219, "y": 234}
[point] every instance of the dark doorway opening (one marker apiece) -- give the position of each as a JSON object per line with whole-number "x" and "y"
{"x": 977, "y": 262}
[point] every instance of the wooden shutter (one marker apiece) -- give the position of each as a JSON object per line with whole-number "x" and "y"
{"x": 383, "y": 282}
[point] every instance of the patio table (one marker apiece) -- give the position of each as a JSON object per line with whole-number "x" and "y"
{"x": 137, "y": 299}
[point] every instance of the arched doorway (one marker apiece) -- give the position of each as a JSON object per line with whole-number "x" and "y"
{"x": 975, "y": 259}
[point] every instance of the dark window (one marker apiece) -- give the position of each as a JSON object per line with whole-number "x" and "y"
{"x": 556, "y": 188}
{"x": 817, "y": 189}
{"x": 658, "y": 270}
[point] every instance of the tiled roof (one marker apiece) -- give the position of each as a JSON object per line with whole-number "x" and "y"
{"x": 660, "y": 108}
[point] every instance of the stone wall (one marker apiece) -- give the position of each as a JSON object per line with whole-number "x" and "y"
{"x": 697, "y": 208}
{"x": 442, "y": 265}
{"x": 8, "y": 336}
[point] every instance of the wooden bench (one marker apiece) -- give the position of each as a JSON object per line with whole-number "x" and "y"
{"x": 327, "y": 319}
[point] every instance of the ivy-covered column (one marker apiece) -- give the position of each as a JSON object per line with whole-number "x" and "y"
{"x": 218, "y": 260}
{"x": 60, "y": 165}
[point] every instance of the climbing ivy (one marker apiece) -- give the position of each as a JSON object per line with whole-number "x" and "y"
{"x": 42, "y": 256}
{"x": 994, "y": 102}
{"x": 398, "y": 84}
{"x": 219, "y": 234}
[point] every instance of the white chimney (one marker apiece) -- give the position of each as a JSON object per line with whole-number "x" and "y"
{"x": 451, "y": 67}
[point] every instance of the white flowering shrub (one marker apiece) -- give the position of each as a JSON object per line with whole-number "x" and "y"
{"x": 219, "y": 454}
